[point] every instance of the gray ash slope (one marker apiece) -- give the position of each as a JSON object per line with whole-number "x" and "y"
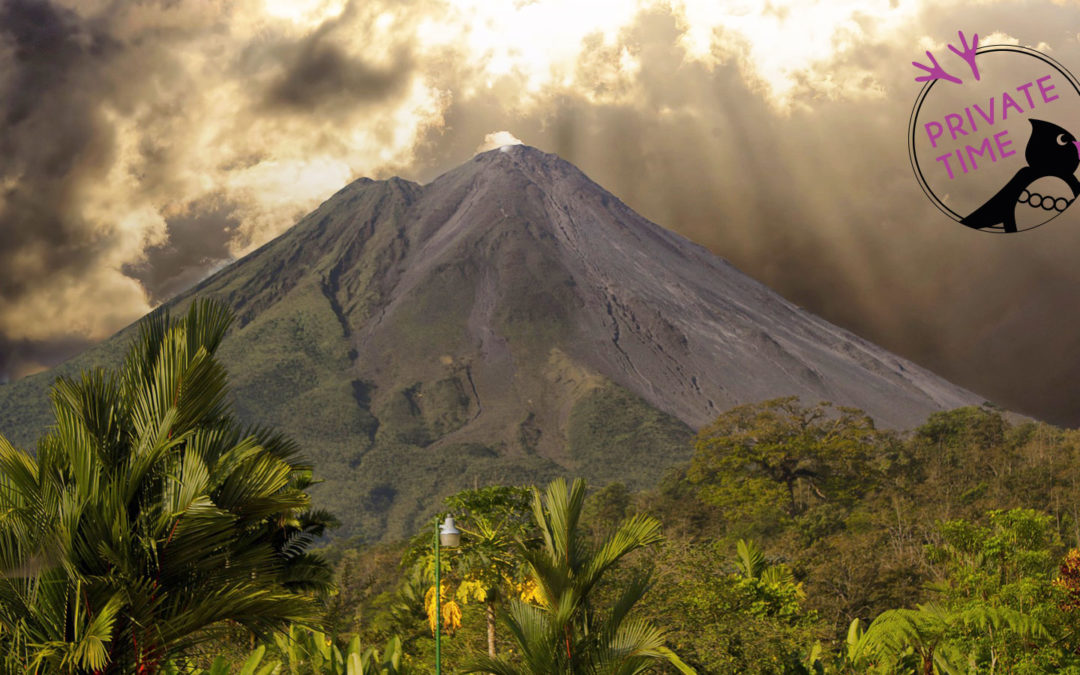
{"x": 653, "y": 311}
{"x": 509, "y": 321}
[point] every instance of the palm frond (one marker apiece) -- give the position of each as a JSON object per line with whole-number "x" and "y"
{"x": 148, "y": 518}
{"x": 637, "y": 532}
{"x": 751, "y": 559}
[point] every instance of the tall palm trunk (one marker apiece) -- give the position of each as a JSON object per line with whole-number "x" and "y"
{"x": 563, "y": 635}
{"x": 491, "y": 628}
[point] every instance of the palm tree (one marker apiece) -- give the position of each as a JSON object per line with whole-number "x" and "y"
{"x": 566, "y": 634}
{"x": 149, "y": 518}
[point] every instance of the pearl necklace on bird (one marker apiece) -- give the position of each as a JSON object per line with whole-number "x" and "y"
{"x": 1047, "y": 203}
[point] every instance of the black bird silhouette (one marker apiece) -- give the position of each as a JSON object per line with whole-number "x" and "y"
{"x": 1051, "y": 151}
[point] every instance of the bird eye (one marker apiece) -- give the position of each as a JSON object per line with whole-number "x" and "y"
{"x": 1061, "y": 139}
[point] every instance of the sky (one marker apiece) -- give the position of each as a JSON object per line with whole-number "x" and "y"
{"x": 146, "y": 144}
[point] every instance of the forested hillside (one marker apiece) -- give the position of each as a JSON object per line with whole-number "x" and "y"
{"x": 802, "y": 539}
{"x": 152, "y": 532}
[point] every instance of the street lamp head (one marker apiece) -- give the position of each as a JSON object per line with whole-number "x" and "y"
{"x": 449, "y": 535}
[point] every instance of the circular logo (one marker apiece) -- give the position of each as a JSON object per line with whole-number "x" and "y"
{"x": 994, "y": 146}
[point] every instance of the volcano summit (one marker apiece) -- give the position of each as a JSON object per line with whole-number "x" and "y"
{"x": 507, "y": 322}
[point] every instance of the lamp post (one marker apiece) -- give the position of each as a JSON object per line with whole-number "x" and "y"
{"x": 449, "y": 536}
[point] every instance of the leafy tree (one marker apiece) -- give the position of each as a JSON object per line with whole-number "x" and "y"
{"x": 486, "y": 566}
{"x": 149, "y": 518}
{"x": 741, "y": 616}
{"x": 772, "y": 460}
{"x": 605, "y": 509}
{"x": 495, "y": 521}
{"x": 565, "y": 633}
{"x": 774, "y": 586}
{"x": 980, "y": 429}
{"x": 1068, "y": 581}
{"x": 997, "y": 606}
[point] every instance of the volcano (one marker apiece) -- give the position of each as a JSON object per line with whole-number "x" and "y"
{"x": 508, "y": 322}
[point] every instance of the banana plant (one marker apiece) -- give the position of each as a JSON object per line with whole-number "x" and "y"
{"x": 308, "y": 651}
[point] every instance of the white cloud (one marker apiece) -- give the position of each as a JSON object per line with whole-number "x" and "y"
{"x": 498, "y": 139}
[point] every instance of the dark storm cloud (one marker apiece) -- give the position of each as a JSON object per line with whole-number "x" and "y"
{"x": 198, "y": 244}
{"x": 51, "y": 137}
{"x": 24, "y": 357}
{"x": 320, "y": 74}
{"x": 61, "y": 75}
{"x": 135, "y": 140}
{"x": 46, "y": 43}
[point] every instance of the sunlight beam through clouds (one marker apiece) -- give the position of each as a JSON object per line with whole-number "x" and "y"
{"x": 149, "y": 143}
{"x": 775, "y": 42}
{"x": 193, "y": 123}
{"x": 305, "y": 13}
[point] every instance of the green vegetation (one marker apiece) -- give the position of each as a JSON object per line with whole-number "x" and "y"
{"x": 303, "y": 650}
{"x": 152, "y": 533}
{"x": 567, "y": 630}
{"x": 497, "y": 526}
{"x": 796, "y": 540}
{"x": 391, "y": 441}
{"x": 149, "y": 520}
{"x": 647, "y": 441}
